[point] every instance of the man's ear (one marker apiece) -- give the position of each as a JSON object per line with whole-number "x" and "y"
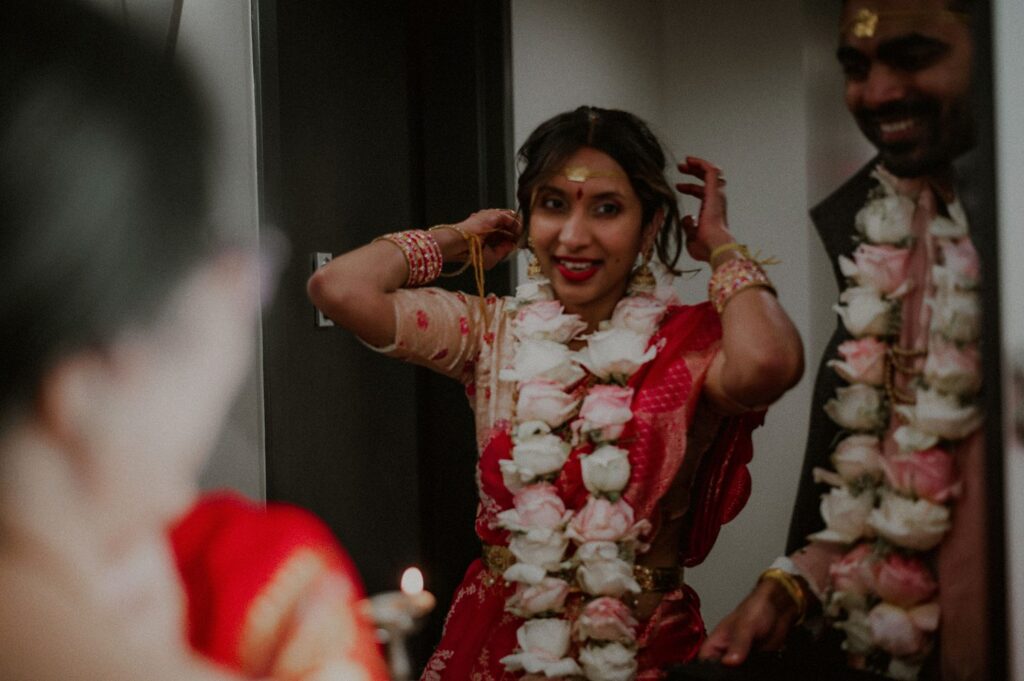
{"x": 71, "y": 396}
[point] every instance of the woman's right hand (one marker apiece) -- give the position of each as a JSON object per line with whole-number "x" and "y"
{"x": 498, "y": 230}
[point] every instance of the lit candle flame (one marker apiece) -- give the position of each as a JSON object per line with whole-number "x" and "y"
{"x": 412, "y": 581}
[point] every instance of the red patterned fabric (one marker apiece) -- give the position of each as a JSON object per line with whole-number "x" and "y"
{"x": 272, "y": 594}
{"x": 478, "y": 632}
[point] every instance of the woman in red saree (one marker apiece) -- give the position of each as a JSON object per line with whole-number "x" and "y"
{"x": 613, "y": 424}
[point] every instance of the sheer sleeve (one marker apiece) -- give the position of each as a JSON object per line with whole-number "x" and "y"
{"x": 438, "y": 329}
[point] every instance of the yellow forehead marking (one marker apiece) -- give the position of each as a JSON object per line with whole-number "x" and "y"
{"x": 864, "y": 23}
{"x": 583, "y": 173}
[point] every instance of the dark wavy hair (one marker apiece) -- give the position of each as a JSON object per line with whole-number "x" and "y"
{"x": 103, "y": 185}
{"x": 625, "y": 138}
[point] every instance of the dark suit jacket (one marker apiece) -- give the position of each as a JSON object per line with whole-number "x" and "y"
{"x": 834, "y": 221}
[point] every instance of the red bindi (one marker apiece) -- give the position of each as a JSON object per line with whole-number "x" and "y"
{"x": 579, "y": 193}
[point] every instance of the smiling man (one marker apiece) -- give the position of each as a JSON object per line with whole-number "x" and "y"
{"x": 907, "y": 68}
{"x": 898, "y": 241}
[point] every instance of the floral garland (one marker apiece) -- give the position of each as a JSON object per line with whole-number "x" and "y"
{"x": 573, "y": 569}
{"x": 892, "y": 510}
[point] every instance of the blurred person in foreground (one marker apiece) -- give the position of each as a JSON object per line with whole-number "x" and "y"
{"x": 126, "y": 330}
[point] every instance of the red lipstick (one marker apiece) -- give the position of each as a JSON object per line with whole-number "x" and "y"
{"x": 584, "y": 268}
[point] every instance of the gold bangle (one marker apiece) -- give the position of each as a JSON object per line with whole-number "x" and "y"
{"x": 475, "y": 247}
{"x": 469, "y": 243}
{"x": 792, "y": 587}
{"x": 725, "y": 248}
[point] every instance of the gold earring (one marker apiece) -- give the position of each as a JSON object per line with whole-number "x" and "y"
{"x": 642, "y": 280}
{"x": 532, "y": 265}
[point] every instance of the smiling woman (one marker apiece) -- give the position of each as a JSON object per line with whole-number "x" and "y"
{"x": 586, "y": 233}
{"x": 603, "y": 406}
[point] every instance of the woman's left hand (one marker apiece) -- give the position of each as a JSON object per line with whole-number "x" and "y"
{"x": 710, "y": 229}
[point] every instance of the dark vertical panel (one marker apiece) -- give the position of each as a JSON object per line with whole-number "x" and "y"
{"x": 977, "y": 171}
{"x": 340, "y": 420}
{"x": 376, "y": 117}
{"x": 458, "y": 66}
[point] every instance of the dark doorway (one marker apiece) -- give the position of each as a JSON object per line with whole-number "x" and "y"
{"x": 376, "y": 117}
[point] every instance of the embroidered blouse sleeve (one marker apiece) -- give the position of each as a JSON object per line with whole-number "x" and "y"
{"x": 438, "y": 329}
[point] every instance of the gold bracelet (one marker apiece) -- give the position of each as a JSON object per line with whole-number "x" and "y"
{"x": 465, "y": 237}
{"x": 475, "y": 259}
{"x": 792, "y": 587}
{"x": 724, "y": 248}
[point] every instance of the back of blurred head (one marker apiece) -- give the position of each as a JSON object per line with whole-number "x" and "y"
{"x": 103, "y": 197}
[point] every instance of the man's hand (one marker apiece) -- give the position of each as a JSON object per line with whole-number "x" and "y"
{"x": 761, "y": 622}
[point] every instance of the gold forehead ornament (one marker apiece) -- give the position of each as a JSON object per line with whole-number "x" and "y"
{"x": 864, "y": 23}
{"x": 583, "y": 173}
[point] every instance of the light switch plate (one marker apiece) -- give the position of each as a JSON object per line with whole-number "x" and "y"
{"x": 318, "y": 260}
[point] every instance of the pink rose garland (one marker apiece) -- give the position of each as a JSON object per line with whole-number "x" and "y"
{"x": 891, "y": 511}
{"x": 557, "y": 550}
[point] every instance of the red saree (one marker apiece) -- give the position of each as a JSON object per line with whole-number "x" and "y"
{"x": 272, "y": 594}
{"x": 478, "y": 632}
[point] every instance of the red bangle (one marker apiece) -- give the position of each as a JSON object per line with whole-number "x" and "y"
{"x": 422, "y": 255}
{"x": 734, "y": 276}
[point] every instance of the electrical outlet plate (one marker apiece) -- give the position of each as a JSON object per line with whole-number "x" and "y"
{"x": 318, "y": 260}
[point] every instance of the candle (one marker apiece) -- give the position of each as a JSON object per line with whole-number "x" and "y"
{"x": 419, "y": 602}
{"x": 396, "y": 615}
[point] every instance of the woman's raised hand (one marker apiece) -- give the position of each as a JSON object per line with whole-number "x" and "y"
{"x": 498, "y": 229}
{"x": 710, "y": 229}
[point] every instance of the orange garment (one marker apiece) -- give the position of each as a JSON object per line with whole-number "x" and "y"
{"x": 272, "y": 594}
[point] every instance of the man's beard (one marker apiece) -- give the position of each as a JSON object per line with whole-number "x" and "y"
{"x": 940, "y": 136}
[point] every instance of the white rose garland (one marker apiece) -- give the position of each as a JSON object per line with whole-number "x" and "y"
{"x": 890, "y": 512}
{"x": 550, "y": 418}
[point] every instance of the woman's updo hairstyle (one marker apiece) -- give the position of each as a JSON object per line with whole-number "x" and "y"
{"x": 625, "y": 138}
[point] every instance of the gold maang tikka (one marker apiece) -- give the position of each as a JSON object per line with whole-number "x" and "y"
{"x": 864, "y": 23}
{"x": 583, "y": 173}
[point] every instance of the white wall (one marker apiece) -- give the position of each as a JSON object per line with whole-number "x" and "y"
{"x": 574, "y": 52}
{"x": 215, "y": 40}
{"x": 733, "y": 93}
{"x": 1008, "y": 17}
{"x": 722, "y": 80}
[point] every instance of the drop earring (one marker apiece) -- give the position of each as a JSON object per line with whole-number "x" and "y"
{"x": 532, "y": 265}
{"x": 642, "y": 281}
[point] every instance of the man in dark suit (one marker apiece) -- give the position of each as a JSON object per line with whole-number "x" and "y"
{"x": 907, "y": 73}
